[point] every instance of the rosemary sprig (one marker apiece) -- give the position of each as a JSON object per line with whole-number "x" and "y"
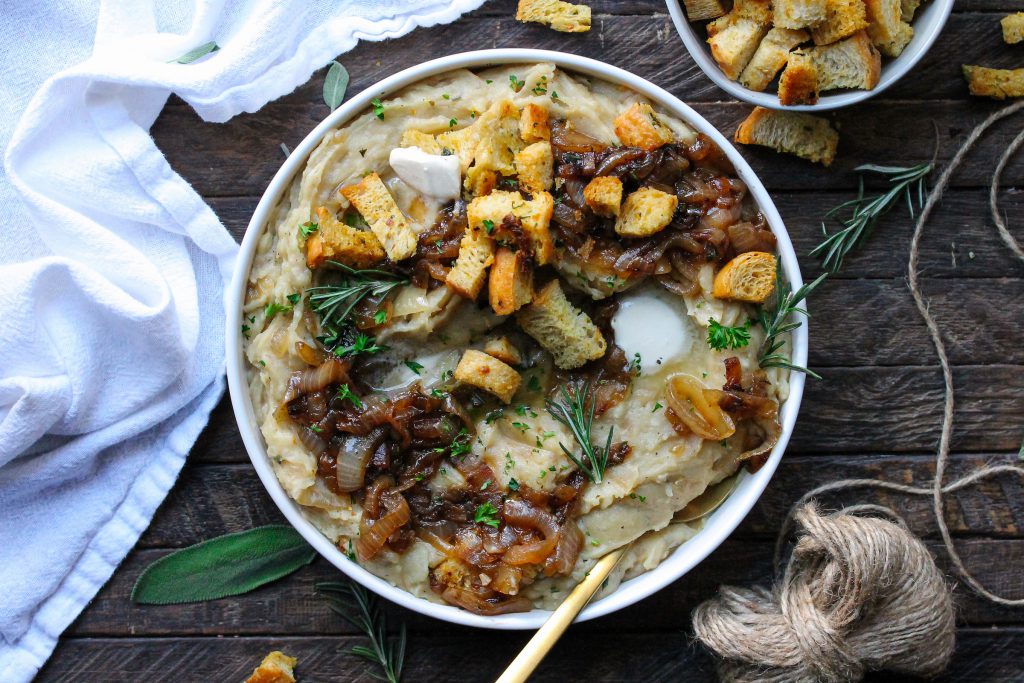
{"x": 334, "y": 303}
{"x": 776, "y": 320}
{"x": 574, "y": 413}
{"x": 355, "y": 605}
{"x": 907, "y": 181}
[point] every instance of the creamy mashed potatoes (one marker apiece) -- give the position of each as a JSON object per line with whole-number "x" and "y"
{"x": 660, "y": 331}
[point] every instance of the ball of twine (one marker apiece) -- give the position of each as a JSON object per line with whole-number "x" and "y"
{"x": 858, "y": 594}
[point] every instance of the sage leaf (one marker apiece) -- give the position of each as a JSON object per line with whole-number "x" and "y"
{"x": 223, "y": 566}
{"x": 201, "y": 51}
{"x": 335, "y": 85}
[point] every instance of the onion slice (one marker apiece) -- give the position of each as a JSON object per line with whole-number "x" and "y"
{"x": 698, "y": 408}
{"x": 353, "y": 456}
{"x": 373, "y": 535}
{"x": 522, "y": 514}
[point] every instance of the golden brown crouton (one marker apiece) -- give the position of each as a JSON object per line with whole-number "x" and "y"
{"x": 771, "y": 55}
{"x": 533, "y": 123}
{"x": 748, "y": 277}
{"x": 804, "y": 135}
{"x": 640, "y": 127}
{"x": 908, "y": 8}
{"x": 1013, "y": 28}
{"x": 799, "y": 82}
{"x": 504, "y": 350}
{"x": 476, "y": 253}
{"x": 604, "y": 195}
{"x": 886, "y": 29}
{"x": 850, "y": 63}
{"x": 425, "y": 141}
{"x": 510, "y": 285}
{"x": 483, "y": 183}
{"x": 559, "y": 15}
{"x": 477, "y": 369}
{"x": 995, "y": 83}
{"x": 566, "y": 333}
{"x": 645, "y": 212}
{"x": 498, "y": 141}
{"x": 734, "y": 45}
{"x": 535, "y": 167}
{"x": 335, "y": 241}
{"x": 488, "y": 212}
{"x": 373, "y": 201}
{"x": 276, "y": 667}
{"x": 794, "y": 14}
{"x": 842, "y": 18}
{"x": 702, "y": 10}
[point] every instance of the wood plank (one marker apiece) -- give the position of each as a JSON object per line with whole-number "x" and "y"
{"x": 289, "y": 606}
{"x": 210, "y": 500}
{"x": 959, "y": 242}
{"x": 239, "y": 157}
{"x": 853, "y": 410}
{"x": 991, "y": 655}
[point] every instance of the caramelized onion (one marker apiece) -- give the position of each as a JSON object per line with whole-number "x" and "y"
{"x": 522, "y": 514}
{"x": 308, "y": 354}
{"x": 353, "y": 456}
{"x": 570, "y": 540}
{"x": 311, "y": 440}
{"x": 746, "y": 237}
{"x": 486, "y": 602}
{"x": 565, "y": 139}
{"x": 691, "y": 403}
{"x": 315, "y": 379}
{"x": 507, "y": 579}
{"x": 373, "y": 535}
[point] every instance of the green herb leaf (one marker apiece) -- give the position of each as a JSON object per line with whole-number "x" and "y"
{"x": 193, "y": 55}
{"x": 576, "y": 411}
{"x": 515, "y": 83}
{"x": 294, "y": 298}
{"x": 345, "y": 393}
{"x": 223, "y": 566}
{"x": 380, "y": 317}
{"x": 487, "y": 514}
{"x": 721, "y": 337}
{"x": 273, "y": 309}
{"x": 378, "y": 108}
{"x": 335, "y": 85}
{"x": 308, "y": 228}
{"x": 488, "y": 225}
{"x": 513, "y": 485}
{"x": 414, "y": 366}
{"x": 358, "y": 607}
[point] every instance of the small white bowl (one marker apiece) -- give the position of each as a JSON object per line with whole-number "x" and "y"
{"x": 927, "y": 27}
{"x": 717, "y": 526}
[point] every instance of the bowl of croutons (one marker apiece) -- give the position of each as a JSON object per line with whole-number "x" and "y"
{"x": 807, "y": 54}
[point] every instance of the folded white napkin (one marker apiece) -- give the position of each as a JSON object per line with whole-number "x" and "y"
{"x": 113, "y": 269}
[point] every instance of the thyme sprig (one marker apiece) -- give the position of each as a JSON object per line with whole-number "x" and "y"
{"x": 573, "y": 411}
{"x": 334, "y": 303}
{"x": 359, "y": 608}
{"x": 906, "y": 182}
{"x": 776, "y": 319}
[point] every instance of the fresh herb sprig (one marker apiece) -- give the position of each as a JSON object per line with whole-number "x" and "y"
{"x": 355, "y": 605}
{"x": 776, "y": 319}
{"x": 335, "y": 303}
{"x": 722, "y": 337}
{"x": 865, "y": 211}
{"x": 573, "y": 411}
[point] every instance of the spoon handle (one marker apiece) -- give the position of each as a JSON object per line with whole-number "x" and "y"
{"x": 548, "y": 634}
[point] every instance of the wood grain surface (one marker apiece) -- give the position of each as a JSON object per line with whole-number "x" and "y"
{"x": 876, "y": 413}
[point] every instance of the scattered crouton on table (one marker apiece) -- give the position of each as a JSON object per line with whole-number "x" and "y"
{"x": 810, "y": 137}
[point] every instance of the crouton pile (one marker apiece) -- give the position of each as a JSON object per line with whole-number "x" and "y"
{"x": 999, "y": 84}
{"x": 812, "y": 46}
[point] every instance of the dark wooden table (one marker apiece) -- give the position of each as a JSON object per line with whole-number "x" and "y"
{"x": 876, "y": 413}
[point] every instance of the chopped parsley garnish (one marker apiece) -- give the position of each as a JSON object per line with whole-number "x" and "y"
{"x": 486, "y": 485}
{"x": 308, "y": 228}
{"x": 452, "y": 123}
{"x": 488, "y": 225}
{"x": 513, "y": 485}
{"x": 533, "y": 383}
{"x": 294, "y": 298}
{"x": 245, "y": 331}
{"x": 657, "y": 407}
{"x": 509, "y": 463}
{"x": 721, "y": 337}
{"x": 345, "y": 393}
{"x": 460, "y": 444}
{"x": 273, "y": 309}
{"x": 554, "y": 94}
{"x": 446, "y": 96}
{"x": 488, "y": 81}
{"x": 378, "y": 108}
{"x": 636, "y": 364}
{"x": 414, "y": 366}
{"x": 521, "y": 425}
{"x": 636, "y": 496}
{"x": 538, "y": 89}
{"x": 380, "y": 317}
{"x": 486, "y": 514}
{"x": 438, "y": 393}
{"x": 362, "y": 344}
{"x": 515, "y": 83}
{"x": 315, "y": 428}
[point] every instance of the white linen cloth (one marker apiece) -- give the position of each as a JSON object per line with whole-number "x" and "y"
{"x": 113, "y": 269}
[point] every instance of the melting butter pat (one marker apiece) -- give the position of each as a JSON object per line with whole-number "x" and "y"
{"x": 433, "y": 175}
{"x": 648, "y": 327}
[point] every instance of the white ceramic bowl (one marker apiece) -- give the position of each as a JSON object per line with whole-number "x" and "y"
{"x": 717, "y": 526}
{"x": 927, "y": 26}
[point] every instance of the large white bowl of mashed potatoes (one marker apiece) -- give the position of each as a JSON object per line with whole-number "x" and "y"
{"x": 494, "y": 318}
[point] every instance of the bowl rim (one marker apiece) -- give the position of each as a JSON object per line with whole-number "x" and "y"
{"x": 892, "y": 71}
{"x": 717, "y": 526}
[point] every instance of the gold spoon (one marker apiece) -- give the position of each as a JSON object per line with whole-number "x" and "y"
{"x": 545, "y": 638}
